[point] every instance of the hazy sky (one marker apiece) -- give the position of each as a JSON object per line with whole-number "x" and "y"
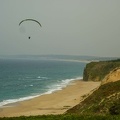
{"x": 70, "y": 27}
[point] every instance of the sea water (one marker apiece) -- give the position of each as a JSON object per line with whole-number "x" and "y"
{"x": 23, "y": 79}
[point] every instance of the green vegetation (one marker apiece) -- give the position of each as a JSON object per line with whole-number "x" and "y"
{"x": 115, "y": 108}
{"x": 96, "y": 71}
{"x": 65, "y": 117}
{"x": 105, "y": 100}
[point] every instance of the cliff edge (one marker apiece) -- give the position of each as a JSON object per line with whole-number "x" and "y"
{"x": 97, "y": 71}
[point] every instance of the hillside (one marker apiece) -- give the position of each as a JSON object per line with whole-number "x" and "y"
{"x": 102, "y": 101}
{"x": 106, "y": 99}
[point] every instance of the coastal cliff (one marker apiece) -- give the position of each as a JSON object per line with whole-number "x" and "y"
{"x": 106, "y": 99}
{"x": 96, "y": 71}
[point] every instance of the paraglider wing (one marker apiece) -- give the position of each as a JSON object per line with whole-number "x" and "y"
{"x": 30, "y": 20}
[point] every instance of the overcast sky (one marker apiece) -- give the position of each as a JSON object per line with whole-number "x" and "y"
{"x": 70, "y": 27}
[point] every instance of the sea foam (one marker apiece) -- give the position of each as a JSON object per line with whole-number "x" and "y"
{"x": 51, "y": 89}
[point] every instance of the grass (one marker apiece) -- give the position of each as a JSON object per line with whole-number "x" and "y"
{"x": 65, "y": 117}
{"x": 105, "y": 100}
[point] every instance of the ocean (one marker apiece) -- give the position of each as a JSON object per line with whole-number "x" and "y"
{"x": 23, "y": 79}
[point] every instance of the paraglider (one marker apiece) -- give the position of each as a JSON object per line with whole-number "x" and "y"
{"x": 33, "y": 20}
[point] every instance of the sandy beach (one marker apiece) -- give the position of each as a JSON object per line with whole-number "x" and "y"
{"x": 56, "y": 103}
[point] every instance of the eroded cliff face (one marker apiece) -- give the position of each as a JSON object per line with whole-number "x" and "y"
{"x": 97, "y": 71}
{"x": 113, "y": 76}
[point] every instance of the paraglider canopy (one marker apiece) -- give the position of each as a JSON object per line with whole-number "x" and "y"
{"x": 30, "y": 20}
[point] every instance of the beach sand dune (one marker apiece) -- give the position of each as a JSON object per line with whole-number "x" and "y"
{"x": 56, "y": 103}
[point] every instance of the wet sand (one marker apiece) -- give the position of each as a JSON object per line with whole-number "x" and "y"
{"x": 56, "y": 103}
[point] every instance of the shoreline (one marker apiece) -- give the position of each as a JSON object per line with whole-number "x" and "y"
{"x": 57, "y": 102}
{"x": 10, "y": 102}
